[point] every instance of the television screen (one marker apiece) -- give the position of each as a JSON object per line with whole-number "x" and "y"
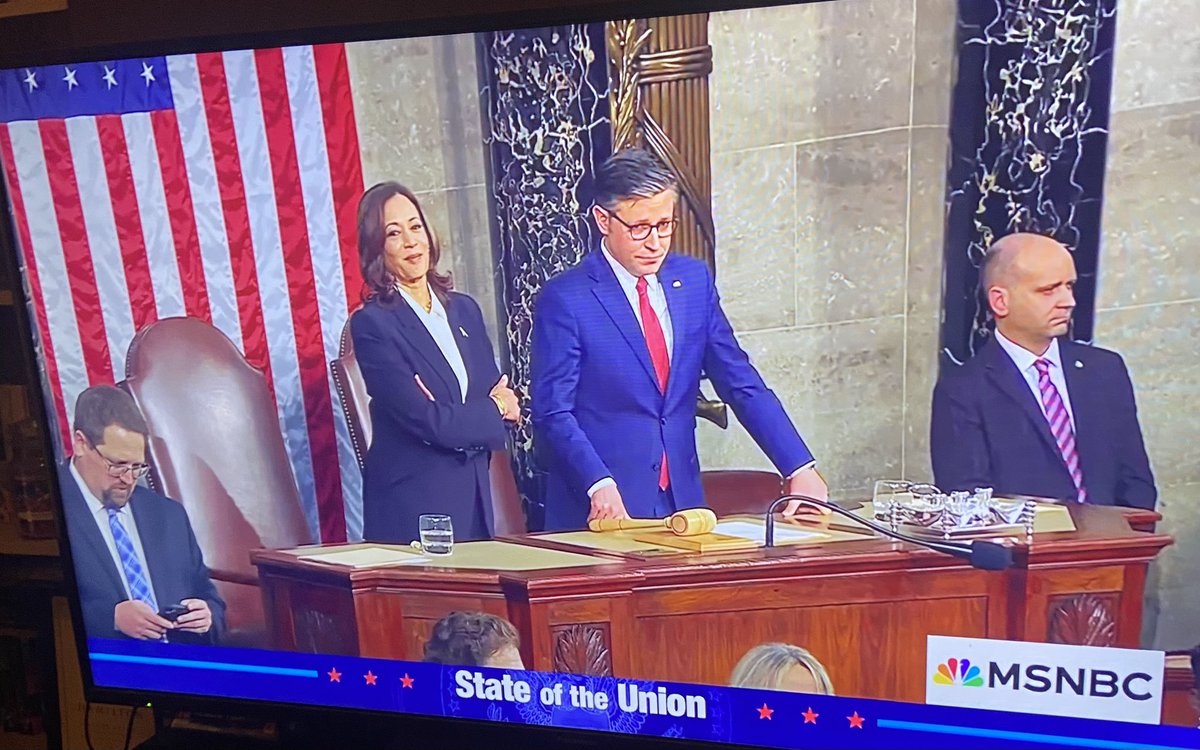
{"x": 761, "y": 376}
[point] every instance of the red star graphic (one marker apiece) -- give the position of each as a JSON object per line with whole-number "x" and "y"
{"x": 810, "y": 716}
{"x": 370, "y": 678}
{"x": 855, "y": 721}
{"x": 406, "y": 681}
{"x": 764, "y": 712}
{"x": 334, "y": 675}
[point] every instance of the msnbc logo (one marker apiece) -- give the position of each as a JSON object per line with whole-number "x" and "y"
{"x": 956, "y": 672}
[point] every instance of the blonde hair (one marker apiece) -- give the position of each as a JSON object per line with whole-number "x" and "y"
{"x": 764, "y": 666}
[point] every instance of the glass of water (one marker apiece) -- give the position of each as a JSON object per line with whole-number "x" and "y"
{"x": 888, "y": 491}
{"x": 437, "y": 534}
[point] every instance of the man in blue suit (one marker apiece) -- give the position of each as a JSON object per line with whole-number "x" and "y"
{"x": 134, "y": 551}
{"x": 1032, "y": 413}
{"x": 619, "y": 343}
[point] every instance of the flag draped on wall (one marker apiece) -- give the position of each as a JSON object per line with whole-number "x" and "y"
{"x": 221, "y": 186}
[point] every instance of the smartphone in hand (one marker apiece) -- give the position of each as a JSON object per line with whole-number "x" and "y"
{"x": 173, "y": 612}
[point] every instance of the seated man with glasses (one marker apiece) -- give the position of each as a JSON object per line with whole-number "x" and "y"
{"x": 138, "y": 567}
{"x": 619, "y": 343}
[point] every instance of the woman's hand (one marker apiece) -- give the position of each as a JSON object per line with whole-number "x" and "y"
{"x": 507, "y": 398}
{"x": 500, "y": 393}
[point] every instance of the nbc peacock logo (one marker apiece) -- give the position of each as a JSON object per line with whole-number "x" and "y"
{"x": 958, "y": 672}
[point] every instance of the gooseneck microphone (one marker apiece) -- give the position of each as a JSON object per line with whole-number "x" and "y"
{"x": 981, "y": 554}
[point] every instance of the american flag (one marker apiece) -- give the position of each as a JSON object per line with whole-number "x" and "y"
{"x": 221, "y": 186}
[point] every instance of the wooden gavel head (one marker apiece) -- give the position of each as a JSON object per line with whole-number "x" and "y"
{"x": 692, "y": 522}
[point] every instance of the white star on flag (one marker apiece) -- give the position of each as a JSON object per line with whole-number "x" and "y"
{"x": 110, "y": 76}
{"x": 70, "y": 79}
{"x": 147, "y": 73}
{"x": 31, "y": 79}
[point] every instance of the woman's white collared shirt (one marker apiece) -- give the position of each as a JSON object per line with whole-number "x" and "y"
{"x": 437, "y": 322}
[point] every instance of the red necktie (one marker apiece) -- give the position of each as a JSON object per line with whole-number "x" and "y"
{"x": 656, "y": 342}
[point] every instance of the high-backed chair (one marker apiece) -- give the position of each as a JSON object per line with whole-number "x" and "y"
{"x": 352, "y": 393}
{"x": 215, "y": 446}
{"x": 356, "y": 405}
{"x": 733, "y": 491}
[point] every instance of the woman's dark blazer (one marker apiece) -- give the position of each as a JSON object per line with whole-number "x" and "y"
{"x": 426, "y": 456}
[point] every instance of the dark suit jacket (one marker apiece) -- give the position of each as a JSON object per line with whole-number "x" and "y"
{"x": 173, "y": 557}
{"x": 988, "y": 430}
{"x": 597, "y": 408}
{"x": 426, "y": 456}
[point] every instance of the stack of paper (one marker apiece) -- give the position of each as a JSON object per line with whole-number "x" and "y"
{"x": 367, "y": 557}
{"x": 758, "y": 532}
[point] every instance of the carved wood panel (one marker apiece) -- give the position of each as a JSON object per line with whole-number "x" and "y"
{"x": 1082, "y": 619}
{"x": 583, "y": 648}
{"x": 319, "y": 632}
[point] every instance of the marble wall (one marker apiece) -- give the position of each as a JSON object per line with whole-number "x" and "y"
{"x": 829, "y": 132}
{"x": 1148, "y": 301}
{"x": 416, "y": 104}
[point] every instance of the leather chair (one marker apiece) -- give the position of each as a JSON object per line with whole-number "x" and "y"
{"x": 215, "y": 446}
{"x": 352, "y": 394}
{"x": 732, "y": 491}
{"x": 356, "y": 405}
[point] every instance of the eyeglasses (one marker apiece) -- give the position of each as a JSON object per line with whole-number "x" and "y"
{"x": 642, "y": 231}
{"x": 116, "y": 469}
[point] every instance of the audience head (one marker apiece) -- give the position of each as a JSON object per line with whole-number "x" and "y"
{"x": 1029, "y": 282}
{"x": 396, "y": 244}
{"x": 109, "y": 443}
{"x": 474, "y": 639}
{"x": 781, "y": 666}
{"x": 635, "y": 209}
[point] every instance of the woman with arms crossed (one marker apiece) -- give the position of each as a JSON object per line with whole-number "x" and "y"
{"x": 439, "y": 407}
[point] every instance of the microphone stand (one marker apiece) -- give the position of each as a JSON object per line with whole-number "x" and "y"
{"x": 981, "y": 554}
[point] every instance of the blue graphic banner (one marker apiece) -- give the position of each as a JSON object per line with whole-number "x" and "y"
{"x": 661, "y": 709}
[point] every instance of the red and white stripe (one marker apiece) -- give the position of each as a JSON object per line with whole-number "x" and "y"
{"x": 236, "y": 207}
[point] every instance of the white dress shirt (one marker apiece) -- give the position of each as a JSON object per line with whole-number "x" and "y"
{"x": 438, "y": 324}
{"x": 100, "y": 516}
{"x": 658, "y": 301}
{"x": 1025, "y": 359}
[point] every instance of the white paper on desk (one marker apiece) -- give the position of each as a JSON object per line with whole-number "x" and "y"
{"x": 367, "y": 557}
{"x": 758, "y": 532}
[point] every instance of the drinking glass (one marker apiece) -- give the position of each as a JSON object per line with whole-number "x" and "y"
{"x": 888, "y": 491}
{"x": 437, "y": 534}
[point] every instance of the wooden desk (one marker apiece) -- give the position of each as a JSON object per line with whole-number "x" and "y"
{"x": 1179, "y": 707}
{"x": 863, "y": 607}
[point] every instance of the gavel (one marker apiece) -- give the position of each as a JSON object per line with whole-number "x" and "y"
{"x": 690, "y": 522}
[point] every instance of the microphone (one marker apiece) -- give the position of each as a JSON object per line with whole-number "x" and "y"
{"x": 981, "y": 554}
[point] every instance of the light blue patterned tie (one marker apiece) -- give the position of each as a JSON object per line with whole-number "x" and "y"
{"x": 135, "y": 575}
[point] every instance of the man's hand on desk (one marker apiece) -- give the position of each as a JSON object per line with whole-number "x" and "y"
{"x": 806, "y": 482}
{"x": 198, "y": 618}
{"x": 135, "y": 619}
{"x": 607, "y": 503}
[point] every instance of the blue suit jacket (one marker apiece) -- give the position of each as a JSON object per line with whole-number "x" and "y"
{"x": 173, "y": 558}
{"x": 426, "y": 456}
{"x": 989, "y": 431}
{"x": 597, "y": 409}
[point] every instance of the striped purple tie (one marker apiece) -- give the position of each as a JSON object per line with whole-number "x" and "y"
{"x": 1060, "y": 426}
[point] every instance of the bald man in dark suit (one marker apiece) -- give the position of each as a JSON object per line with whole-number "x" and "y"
{"x": 1034, "y": 413}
